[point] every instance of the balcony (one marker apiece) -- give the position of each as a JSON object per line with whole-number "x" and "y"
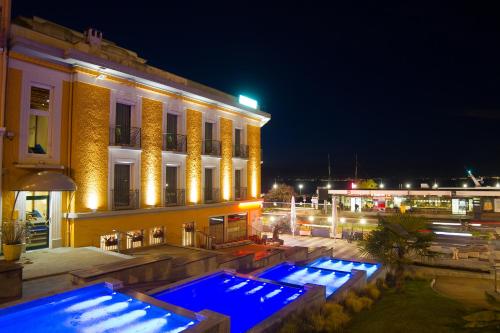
{"x": 240, "y": 193}
{"x": 175, "y": 197}
{"x": 240, "y": 151}
{"x": 211, "y": 147}
{"x": 123, "y": 200}
{"x": 211, "y": 195}
{"x": 174, "y": 142}
{"x": 125, "y": 136}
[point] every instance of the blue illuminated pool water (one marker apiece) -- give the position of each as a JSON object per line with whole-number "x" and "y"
{"x": 344, "y": 265}
{"x": 300, "y": 275}
{"x": 246, "y": 301}
{"x": 90, "y": 309}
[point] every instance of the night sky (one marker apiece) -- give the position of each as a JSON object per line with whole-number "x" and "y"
{"x": 413, "y": 90}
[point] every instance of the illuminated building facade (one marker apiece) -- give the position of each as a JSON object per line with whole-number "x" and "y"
{"x": 154, "y": 156}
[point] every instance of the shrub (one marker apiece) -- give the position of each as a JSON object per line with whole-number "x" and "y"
{"x": 390, "y": 280}
{"x": 353, "y": 303}
{"x": 380, "y": 283}
{"x": 367, "y": 302}
{"x": 335, "y": 317}
{"x": 298, "y": 323}
{"x": 329, "y": 318}
{"x": 372, "y": 291}
{"x": 357, "y": 304}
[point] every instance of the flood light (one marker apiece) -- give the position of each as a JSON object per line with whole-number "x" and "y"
{"x": 251, "y": 103}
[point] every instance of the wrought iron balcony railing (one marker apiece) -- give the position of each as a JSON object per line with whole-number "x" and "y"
{"x": 175, "y": 197}
{"x": 211, "y": 195}
{"x": 211, "y": 147}
{"x": 240, "y": 193}
{"x": 125, "y": 136}
{"x": 174, "y": 142}
{"x": 121, "y": 200}
{"x": 240, "y": 151}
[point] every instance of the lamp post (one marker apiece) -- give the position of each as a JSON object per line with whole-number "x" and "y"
{"x": 300, "y": 188}
{"x": 362, "y": 222}
{"x": 342, "y": 221}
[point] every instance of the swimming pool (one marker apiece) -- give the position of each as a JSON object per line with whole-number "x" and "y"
{"x": 93, "y": 309}
{"x": 246, "y": 301}
{"x": 344, "y": 265}
{"x": 300, "y": 275}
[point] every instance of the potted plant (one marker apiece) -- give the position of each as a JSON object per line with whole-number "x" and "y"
{"x": 110, "y": 241}
{"x": 137, "y": 237}
{"x": 158, "y": 233}
{"x": 13, "y": 236}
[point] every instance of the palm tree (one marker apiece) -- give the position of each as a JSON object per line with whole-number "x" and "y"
{"x": 396, "y": 238}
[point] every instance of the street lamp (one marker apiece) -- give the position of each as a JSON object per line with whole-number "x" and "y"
{"x": 464, "y": 185}
{"x": 381, "y": 185}
{"x": 497, "y": 185}
{"x": 328, "y": 186}
{"x": 408, "y": 185}
{"x": 275, "y": 186}
{"x": 435, "y": 185}
{"x": 300, "y": 188}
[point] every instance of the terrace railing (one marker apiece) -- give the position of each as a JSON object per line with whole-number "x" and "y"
{"x": 122, "y": 200}
{"x": 175, "y": 197}
{"x": 211, "y": 147}
{"x": 174, "y": 142}
{"x": 240, "y": 193}
{"x": 240, "y": 151}
{"x": 125, "y": 136}
{"x": 211, "y": 195}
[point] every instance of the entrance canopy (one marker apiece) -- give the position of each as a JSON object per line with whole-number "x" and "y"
{"x": 45, "y": 181}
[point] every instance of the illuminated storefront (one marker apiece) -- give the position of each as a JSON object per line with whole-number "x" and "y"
{"x": 453, "y": 201}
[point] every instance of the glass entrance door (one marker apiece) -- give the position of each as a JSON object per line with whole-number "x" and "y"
{"x": 171, "y": 197}
{"x": 121, "y": 191}
{"x": 37, "y": 220}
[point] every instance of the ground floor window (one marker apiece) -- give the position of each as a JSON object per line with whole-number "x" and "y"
{"x": 217, "y": 229}
{"x": 237, "y": 227}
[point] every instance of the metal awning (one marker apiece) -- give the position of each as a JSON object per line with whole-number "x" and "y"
{"x": 45, "y": 181}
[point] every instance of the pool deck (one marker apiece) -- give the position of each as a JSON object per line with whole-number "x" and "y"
{"x": 49, "y": 262}
{"x": 341, "y": 248}
{"x": 45, "y": 271}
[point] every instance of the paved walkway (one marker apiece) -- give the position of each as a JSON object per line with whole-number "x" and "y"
{"x": 469, "y": 291}
{"x": 48, "y": 262}
{"x": 341, "y": 248}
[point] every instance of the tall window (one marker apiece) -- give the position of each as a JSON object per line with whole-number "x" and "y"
{"x": 209, "y": 194}
{"x": 123, "y": 124}
{"x": 171, "y": 136}
{"x": 38, "y": 133}
{"x": 237, "y": 184}
{"x": 237, "y": 137}
{"x": 121, "y": 190}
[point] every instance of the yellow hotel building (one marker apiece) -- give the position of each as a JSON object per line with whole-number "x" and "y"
{"x": 155, "y": 157}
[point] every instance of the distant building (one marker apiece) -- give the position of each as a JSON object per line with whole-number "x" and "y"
{"x": 155, "y": 156}
{"x": 458, "y": 201}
